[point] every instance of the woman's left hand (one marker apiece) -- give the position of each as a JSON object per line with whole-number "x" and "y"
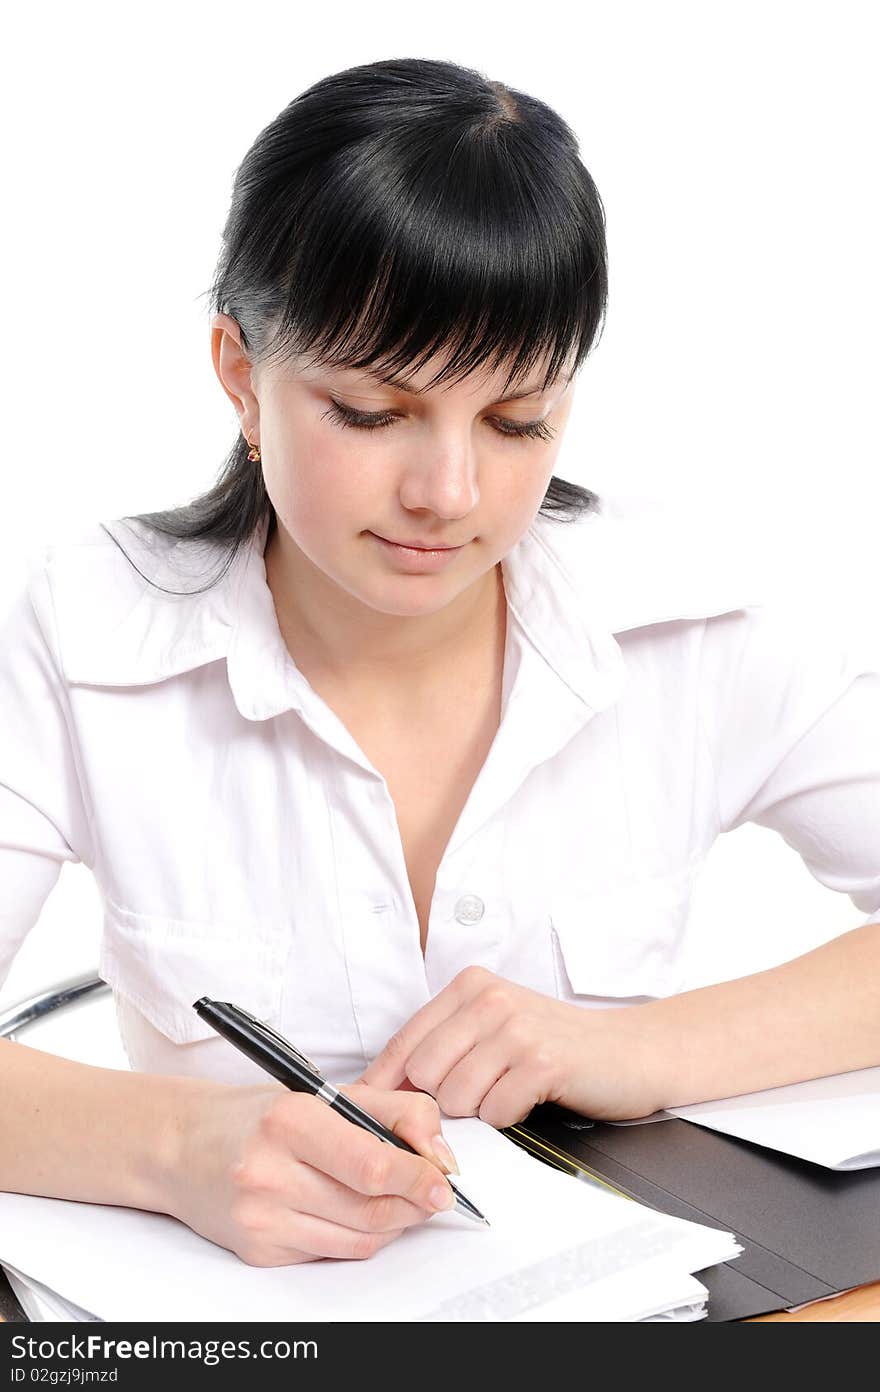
{"x": 486, "y": 1047}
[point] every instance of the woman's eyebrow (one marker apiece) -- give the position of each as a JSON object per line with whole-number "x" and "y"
{"x": 418, "y": 391}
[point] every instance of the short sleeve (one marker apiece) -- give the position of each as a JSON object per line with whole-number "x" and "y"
{"x": 790, "y": 704}
{"x": 43, "y": 819}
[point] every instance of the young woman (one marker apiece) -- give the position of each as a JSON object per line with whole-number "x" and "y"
{"x": 424, "y": 773}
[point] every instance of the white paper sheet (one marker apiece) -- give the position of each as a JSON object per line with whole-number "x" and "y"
{"x": 41, "y": 1303}
{"x": 832, "y": 1121}
{"x": 569, "y": 1250}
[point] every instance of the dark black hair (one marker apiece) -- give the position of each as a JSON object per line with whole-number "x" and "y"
{"x": 392, "y": 210}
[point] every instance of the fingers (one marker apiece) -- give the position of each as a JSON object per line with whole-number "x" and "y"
{"x": 411, "y": 1115}
{"x": 488, "y": 1064}
{"x": 510, "y": 1098}
{"x": 317, "y": 1135}
{"x": 389, "y": 1069}
{"x": 479, "y": 1029}
{"x": 443, "y": 1061}
{"x": 326, "y": 1197}
{"x": 289, "y": 1238}
{"x": 323, "y": 1187}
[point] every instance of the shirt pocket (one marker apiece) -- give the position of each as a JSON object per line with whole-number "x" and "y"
{"x": 624, "y": 942}
{"x": 163, "y": 965}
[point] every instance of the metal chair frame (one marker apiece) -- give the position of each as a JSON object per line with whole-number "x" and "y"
{"x": 16, "y": 1018}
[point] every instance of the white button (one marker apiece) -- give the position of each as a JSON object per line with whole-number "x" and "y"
{"x": 469, "y": 909}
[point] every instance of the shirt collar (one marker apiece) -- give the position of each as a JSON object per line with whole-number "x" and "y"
{"x": 570, "y": 586}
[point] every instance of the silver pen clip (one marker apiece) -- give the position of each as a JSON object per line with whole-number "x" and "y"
{"x": 272, "y": 1034}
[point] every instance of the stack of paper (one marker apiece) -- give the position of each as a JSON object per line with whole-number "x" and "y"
{"x": 556, "y": 1249}
{"x": 832, "y": 1121}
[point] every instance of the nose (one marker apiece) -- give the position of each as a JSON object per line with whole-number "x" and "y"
{"x": 442, "y": 478}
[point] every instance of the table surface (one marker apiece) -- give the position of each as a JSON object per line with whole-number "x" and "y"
{"x": 859, "y": 1305}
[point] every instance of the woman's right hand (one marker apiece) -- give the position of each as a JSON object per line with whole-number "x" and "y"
{"x": 278, "y": 1177}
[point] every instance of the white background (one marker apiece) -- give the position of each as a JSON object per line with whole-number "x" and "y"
{"x": 735, "y": 149}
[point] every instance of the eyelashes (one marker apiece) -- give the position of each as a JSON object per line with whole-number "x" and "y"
{"x": 346, "y": 416}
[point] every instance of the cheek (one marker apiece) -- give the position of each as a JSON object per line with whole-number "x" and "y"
{"x": 304, "y": 471}
{"x": 516, "y": 497}
{"x": 521, "y": 485}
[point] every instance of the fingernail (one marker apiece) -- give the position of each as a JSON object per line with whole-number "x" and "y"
{"x": 444, "y": 1154}
{"x": 441, "y": 1196}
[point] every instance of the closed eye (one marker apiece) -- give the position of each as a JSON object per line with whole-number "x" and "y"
{"x": 377, "y": 420}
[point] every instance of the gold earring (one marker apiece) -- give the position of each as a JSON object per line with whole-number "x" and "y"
{"x": 254, "y": 455}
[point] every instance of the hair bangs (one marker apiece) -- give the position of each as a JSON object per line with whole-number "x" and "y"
{"x": 460, "y": 243}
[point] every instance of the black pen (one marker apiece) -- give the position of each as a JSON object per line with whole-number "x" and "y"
{"x": 271, "y": 1051}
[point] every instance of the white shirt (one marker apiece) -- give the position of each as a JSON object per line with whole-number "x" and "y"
{"x": 246, "y": 849}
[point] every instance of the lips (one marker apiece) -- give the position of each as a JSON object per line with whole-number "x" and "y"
{"x": 418, "y": 545}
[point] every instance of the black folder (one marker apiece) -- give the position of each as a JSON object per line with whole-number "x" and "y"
{"x": 806, "y": 1231}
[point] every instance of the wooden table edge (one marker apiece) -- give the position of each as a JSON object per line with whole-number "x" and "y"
{"x": 861, "y": 1304}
